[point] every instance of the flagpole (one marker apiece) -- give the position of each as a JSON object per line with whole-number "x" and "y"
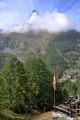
{"x": 54, "y": 90}
{"x": 54, "y": 98}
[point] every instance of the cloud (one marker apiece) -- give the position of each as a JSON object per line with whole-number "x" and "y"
{"x": 13, "y": 14}
{"x": 53, "y": 22}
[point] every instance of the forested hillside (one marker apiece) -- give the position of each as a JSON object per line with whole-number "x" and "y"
{"x": 27, "y": 64}
{"x": 64, "y": 51}
{"x": 22, "y": 45}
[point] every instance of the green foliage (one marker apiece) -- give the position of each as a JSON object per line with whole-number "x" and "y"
{"x": 21, "y": 82}
{"x": 56, "y": 60}
{"x": 12, "y": 76}
{"x": 70, "y": 88}
{"x": 7, "y": 77}
{"x": 65, "y": 94}
{"x": 27, "y": 87}
{"x": 64, "y": 51}
{"x": 39, "y": 78}
{"x": 78, "y": 82}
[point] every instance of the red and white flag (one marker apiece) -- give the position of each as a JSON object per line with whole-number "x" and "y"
{"x": 54, "y": 83}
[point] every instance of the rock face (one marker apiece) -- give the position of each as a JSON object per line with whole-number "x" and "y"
{"x": 29, "y": 41}
{"x": 37, "y": 42}
{"x": 41, "y": 42}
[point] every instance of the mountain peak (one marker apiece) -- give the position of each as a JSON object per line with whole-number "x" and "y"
{"x": 35, "y": 12}
{"x": 33, "y": 16}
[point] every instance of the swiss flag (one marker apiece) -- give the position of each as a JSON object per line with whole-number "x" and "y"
{"x": 54, "y": 83}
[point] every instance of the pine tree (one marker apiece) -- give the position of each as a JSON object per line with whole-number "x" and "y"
{"x": 39, "y": 80}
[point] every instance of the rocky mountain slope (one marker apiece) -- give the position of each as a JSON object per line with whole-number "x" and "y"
{"x": 41, "y": 43}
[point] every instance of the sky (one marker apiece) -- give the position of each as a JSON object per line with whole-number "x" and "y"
{"x": 55, "y": 13}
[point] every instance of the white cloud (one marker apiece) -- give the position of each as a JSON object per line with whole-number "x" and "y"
{"x": 14, "y": 13}
{"x": 53, "y": 22}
